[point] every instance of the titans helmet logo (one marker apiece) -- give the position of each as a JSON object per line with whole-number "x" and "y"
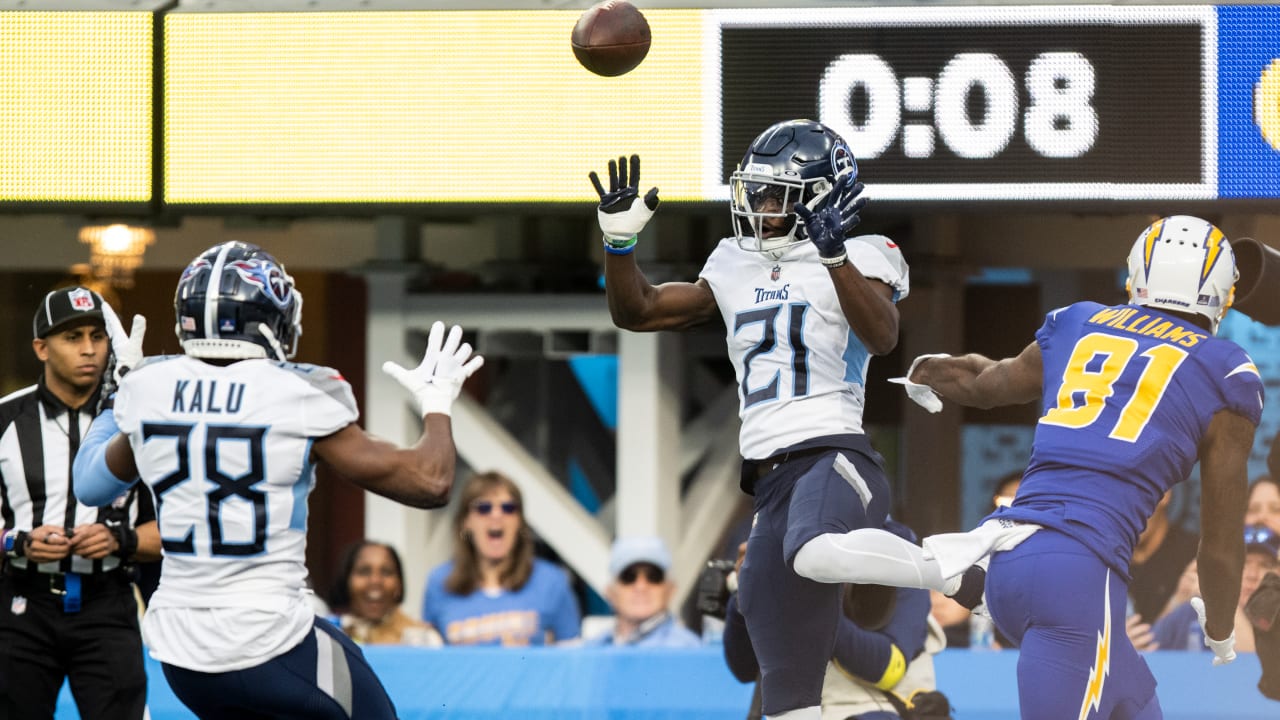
{"x": 842, "y": 160}
{"x": 268, "y": 277}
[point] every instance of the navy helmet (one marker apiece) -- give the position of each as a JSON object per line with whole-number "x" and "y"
{"x": 235, "y": 301}
{"x": 792, "y": 162}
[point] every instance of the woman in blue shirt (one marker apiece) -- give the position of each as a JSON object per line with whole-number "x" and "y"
{"x": 494, "y": 591}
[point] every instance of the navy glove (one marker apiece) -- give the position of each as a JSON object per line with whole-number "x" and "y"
{"x": 831, "y": 217}
{"x": 621, "y": 217}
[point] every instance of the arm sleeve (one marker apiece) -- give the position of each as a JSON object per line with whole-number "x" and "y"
{"x": 739, "y": 653}
{"x": 93, "y": 481}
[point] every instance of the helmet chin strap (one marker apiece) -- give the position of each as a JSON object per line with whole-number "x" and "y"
{"x": 272, "y": 341}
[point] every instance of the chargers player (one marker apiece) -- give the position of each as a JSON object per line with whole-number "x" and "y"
{"x": 1133, "y": 395}
{"x": 227, "y": 436}
{"x": 804, "y": 308}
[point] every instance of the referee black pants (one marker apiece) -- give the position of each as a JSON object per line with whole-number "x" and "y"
{"x": 98, "y": 650}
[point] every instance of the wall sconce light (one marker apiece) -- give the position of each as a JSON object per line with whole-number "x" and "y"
{"x": 115, "y": 251}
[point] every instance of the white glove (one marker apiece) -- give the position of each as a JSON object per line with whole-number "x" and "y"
{"x": 127, "y": 348}
{"x": 1224, "y": 651}
{"x": 622, "y": 213}
{"x": 922, "y": 395}
{"x": 436, "y": 382}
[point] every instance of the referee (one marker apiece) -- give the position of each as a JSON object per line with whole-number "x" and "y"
{"x": 67, "y": 608}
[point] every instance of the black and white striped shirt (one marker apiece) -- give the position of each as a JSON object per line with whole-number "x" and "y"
{"x": 39, "y": 437}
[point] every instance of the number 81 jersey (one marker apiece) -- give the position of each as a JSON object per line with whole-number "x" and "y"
{"x": 226, "y": 450}
{"x": 1128, "y": 395}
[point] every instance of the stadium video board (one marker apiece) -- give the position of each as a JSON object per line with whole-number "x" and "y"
{"x": 987, "y": 102}
{"x": 76, "y": 107}
{"x": 371, "y": 111}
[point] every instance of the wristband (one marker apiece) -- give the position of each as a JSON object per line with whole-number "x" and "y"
{"x": 834, "y": 262}
{"x": 894, "y": 671}
{"x": 15, "y": 543}
{"x": 620, "y": 247}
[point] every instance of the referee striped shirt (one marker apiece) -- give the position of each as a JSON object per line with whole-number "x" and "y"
{"x": 39, "y": 437}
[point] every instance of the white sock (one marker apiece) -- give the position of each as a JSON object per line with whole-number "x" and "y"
{"x": 868, "y": 555}
{"x": 810, "y": 713}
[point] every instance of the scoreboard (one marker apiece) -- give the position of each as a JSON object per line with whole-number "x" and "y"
{"x": 215, "y": 108}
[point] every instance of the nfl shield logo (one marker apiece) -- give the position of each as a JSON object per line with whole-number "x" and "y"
{"x": 81, "y": 299}
{"x": 775, "y": 272}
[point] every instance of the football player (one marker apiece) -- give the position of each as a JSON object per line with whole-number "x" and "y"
{"x": 805, "y": 307}
{"x": 1133, "y": 396}
{"x": 227, "y": 435}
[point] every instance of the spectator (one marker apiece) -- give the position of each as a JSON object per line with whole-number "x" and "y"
{"x": 1263, "y": 605}
{"x": 1006, "y": 490}
{"x": 367, "y": 596}
{"x": 1164, "y": 548}
{"x": 1264, "y": 503}
{"x": 67, "y": 607}
{"x": 494, "y": 591}
{"x": 1179, "y": 630}
{"x": 640, "y": 594}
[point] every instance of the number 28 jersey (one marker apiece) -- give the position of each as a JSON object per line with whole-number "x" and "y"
{"x": 226, "y": 451}
{"x": 801, "y": 370}
{"x": 1128, "y": 395}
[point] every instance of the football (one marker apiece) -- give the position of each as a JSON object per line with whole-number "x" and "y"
{"x": 611, "y": 38}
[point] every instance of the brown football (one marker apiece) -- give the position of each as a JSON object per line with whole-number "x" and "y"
{"x": 611, "y": 38}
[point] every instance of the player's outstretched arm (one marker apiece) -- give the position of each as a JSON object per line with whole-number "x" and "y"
{"x": 420, "y": 476}
{"x": 978, "y": 381}
{"x": 1224, "y": 492}
{"x": 634, "y": 303}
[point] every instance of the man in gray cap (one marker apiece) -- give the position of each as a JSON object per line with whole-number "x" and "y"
{"x": 67, "y": 609}
{"x": 640, "y": 594}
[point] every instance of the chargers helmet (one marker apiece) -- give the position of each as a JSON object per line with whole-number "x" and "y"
{"x": 793, "y": 161}
{"x": 1185, "y": 264}
{"x": 235, "y": 301}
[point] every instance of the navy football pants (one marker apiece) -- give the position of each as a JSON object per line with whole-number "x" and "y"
{"x": 792, "y": 620}
{"x": 325, "y": 676}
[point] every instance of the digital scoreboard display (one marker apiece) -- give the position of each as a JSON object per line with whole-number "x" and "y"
{"x": 986, "y": 103}
{"x": 199, "y": 108}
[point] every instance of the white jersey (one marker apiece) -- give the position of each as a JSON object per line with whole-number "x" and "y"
{"x": 226, "y": 451}
{"x": 801, "y": 370}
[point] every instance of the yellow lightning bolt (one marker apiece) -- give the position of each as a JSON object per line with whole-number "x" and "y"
{"x": 1102, "y": 662}
{"x": 1212, "y": 249}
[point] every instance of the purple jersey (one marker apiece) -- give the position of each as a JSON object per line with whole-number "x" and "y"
{"x": 1128, "y": 395}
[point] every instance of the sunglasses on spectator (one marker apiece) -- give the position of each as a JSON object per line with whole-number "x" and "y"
{"x": 1261, "y": 535}
{"x": 652, "y": 573}
{"x": 484, "y": 507}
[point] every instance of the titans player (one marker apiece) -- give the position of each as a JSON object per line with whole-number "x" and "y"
{"x": 227, "y": 436}
{"x": 1132, "y": 396}
{"x": 804, "y": 308}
